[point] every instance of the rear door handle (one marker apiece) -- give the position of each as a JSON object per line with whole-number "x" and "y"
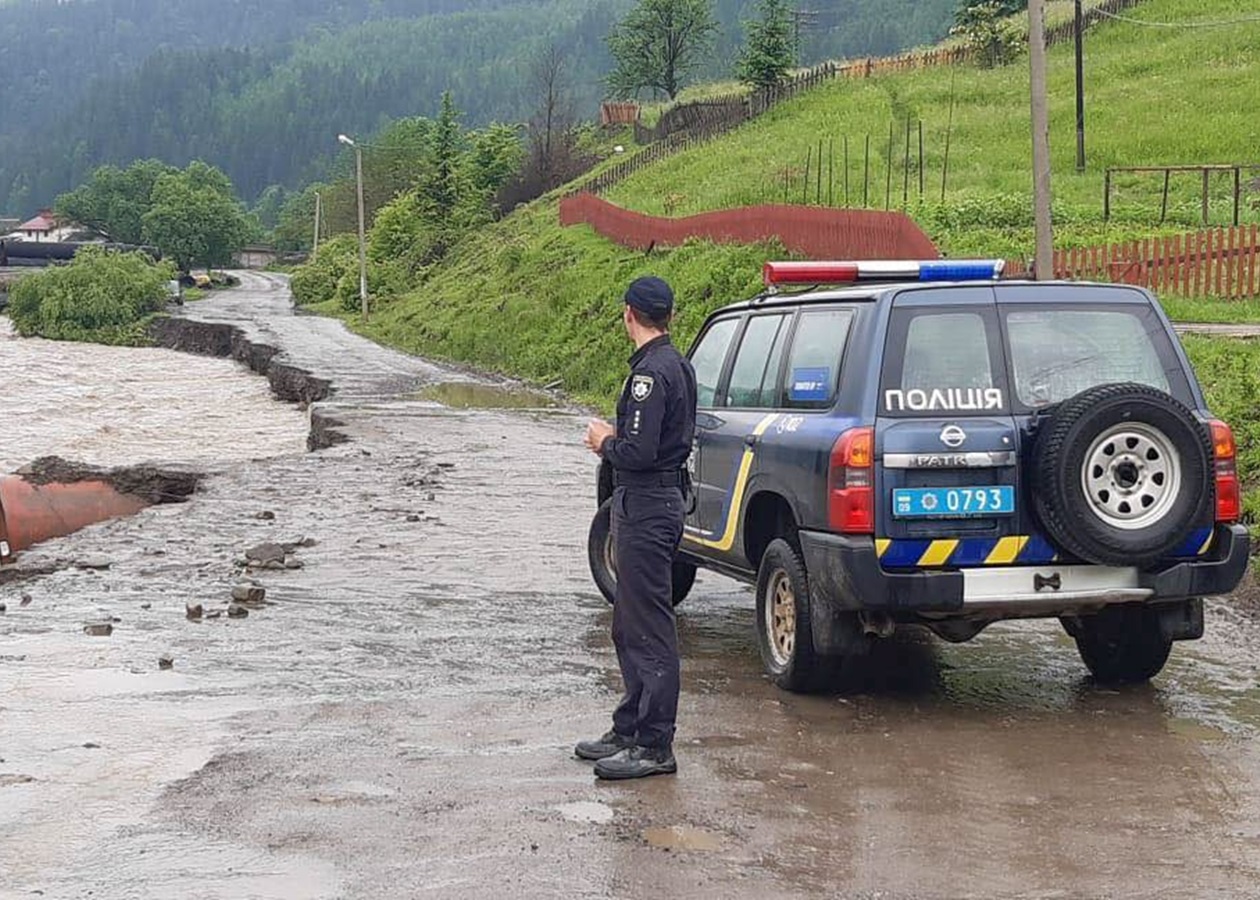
{"x": 750, "y": 440}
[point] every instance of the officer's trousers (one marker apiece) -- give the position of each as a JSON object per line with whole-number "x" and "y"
{"x": 647, "y": 526}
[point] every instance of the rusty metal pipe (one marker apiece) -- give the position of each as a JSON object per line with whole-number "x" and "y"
{"x": 31, "y": 513}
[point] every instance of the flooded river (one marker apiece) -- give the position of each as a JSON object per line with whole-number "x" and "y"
{"x": 396, "y": 720}
{"x": 113, "y": 406}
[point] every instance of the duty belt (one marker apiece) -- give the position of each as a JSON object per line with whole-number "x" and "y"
{"x": 673, "y": 478}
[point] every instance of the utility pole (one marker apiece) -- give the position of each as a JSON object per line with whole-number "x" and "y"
{"x": 1043, "y": 265}
{"x": 358, "y": 169}
{"x": 1080, "y": 88}
{"x": 318, "y": 211}
{"x": 802, "y": 20}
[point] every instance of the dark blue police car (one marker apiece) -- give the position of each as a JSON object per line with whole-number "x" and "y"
{"x": 899, "y": 443}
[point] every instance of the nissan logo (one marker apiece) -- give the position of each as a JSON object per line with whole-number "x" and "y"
{"x": 953, "y": 437}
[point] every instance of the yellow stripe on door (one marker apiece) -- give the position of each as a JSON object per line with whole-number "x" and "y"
{"x": 1006, "y": 551}
{"x": 1207, "y": 545}
{"x": 938, "y": 553}
{"x": 727, "y": 540}
{"x": 881, "y": 546}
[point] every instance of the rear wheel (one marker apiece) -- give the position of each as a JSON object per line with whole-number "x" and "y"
{"x": 602, "y": 557}
{"x": 1122, "y": 644}
{"x": 784, "y": 628}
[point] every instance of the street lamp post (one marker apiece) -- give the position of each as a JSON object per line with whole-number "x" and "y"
{"x": 358, "y": 168}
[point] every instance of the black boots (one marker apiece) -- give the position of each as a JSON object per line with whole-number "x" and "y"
{"x": 609, "y": 745}
{"x": 637, "y": 762}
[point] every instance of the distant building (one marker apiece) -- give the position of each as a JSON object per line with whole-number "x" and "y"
{"x": 255, "y": 256}
{"x": 40, "y": 228}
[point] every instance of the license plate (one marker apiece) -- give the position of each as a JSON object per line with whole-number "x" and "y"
{"x": 953, "y": 503}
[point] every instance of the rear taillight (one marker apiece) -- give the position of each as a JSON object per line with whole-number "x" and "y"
{"x": 1225, "y": 454}
{"x": 851, "y": 483}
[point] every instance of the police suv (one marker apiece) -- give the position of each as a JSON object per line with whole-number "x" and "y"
{"x": 900, "y": 443}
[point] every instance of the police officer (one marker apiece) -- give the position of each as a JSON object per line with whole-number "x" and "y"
{"x": 648, "y": 450}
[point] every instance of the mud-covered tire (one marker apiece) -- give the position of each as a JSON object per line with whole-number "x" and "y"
{"x": 785, "y": 634}
{"x": 602, "y": 558}
{"x": 1122, "y": 644}
{"x": 1121, "y": 474}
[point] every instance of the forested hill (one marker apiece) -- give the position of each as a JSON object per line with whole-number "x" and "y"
{"x": 262, "y": 87}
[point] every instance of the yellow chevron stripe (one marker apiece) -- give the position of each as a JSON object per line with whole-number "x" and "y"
{"x": 881, "y": 546}
{"x": 727, "y": 540}
{"x": 1006, "y": 551}
{"x": 938, "y": 553}
{"x": 1207, "y": 545}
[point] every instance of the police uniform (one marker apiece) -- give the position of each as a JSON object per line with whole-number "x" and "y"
{"x": 656, "y": 418}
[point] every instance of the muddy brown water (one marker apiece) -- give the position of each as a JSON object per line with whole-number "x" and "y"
{"x": 113, "y": 406}
{"x": 397, "y": 721}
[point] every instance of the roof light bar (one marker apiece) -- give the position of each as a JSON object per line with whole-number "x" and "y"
{"x": 787, "y": 273}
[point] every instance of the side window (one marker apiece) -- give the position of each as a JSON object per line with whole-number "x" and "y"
{"x": 814, "y": 362}
{"x": 755, "y": 375}
{"x": 708, "y": 357}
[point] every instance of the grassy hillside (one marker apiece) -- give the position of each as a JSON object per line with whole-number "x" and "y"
{"x": 1156, "y": 96}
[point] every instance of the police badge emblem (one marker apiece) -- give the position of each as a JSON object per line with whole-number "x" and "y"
{"x": 641, "y": 387}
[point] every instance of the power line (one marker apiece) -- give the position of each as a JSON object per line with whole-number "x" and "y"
{"x": 1149, "y": 24}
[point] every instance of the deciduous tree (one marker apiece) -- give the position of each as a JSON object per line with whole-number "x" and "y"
{"x": 194, "y": 218}
{"x": 658, "y": 45}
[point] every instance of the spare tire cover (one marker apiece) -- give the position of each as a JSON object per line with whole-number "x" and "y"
{"x": 1122, "y": 474}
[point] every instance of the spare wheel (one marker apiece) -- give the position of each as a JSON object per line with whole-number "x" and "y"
{"x": 1121, "y": 474}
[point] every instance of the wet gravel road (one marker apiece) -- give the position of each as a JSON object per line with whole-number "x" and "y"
{"x": 397, "y": 720}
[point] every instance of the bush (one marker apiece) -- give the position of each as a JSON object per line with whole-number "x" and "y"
{"x": 317, "y": 281}
{"x": 100, "y": 296}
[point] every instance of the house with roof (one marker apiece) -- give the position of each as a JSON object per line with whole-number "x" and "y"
{"x": 40, "y": 228}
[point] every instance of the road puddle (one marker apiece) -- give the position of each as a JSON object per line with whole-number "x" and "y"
{"x": 1195, "y": 731}
{"x": 471, "y": 395}
{"x": 682, "y": 837}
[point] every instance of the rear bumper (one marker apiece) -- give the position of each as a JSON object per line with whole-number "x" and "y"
{"x": 845, "y": 576}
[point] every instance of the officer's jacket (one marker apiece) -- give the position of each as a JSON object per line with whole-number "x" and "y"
{"x": 656, "y": 415}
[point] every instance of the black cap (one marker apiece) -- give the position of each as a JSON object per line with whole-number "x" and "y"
{"x": 651, "y": 295}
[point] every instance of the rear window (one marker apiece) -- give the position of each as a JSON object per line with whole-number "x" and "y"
{"x": 940, "y": 361}
{"x": 1057, "y": 353}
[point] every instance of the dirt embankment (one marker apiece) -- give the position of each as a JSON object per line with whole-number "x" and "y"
{"x": 288, "y": 382}
{"x": 151, "y": 483}
{"x": 216, "y": 339}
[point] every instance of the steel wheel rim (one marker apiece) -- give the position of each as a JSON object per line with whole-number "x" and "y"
{"x": 1131, "y": 476}
{"x": 780, "y": 615}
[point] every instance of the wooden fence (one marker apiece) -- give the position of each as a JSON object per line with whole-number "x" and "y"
{"x": 811, "y": 231}
{"x": 1222, "y": 263}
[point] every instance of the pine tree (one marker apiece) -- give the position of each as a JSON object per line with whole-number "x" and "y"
{"x": 769, "y": 51}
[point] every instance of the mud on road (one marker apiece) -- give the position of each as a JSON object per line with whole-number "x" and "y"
{"x": 396, "y": 719}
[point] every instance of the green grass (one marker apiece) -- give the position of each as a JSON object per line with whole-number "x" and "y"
{"x": 1232, "y": 312}
{"x": 526, "y": 298}
{"x": 1229, "y": 371}
{"x": 1155, "y": 96}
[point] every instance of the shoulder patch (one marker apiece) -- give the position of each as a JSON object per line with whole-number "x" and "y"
{"x": 641, "y": 387}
